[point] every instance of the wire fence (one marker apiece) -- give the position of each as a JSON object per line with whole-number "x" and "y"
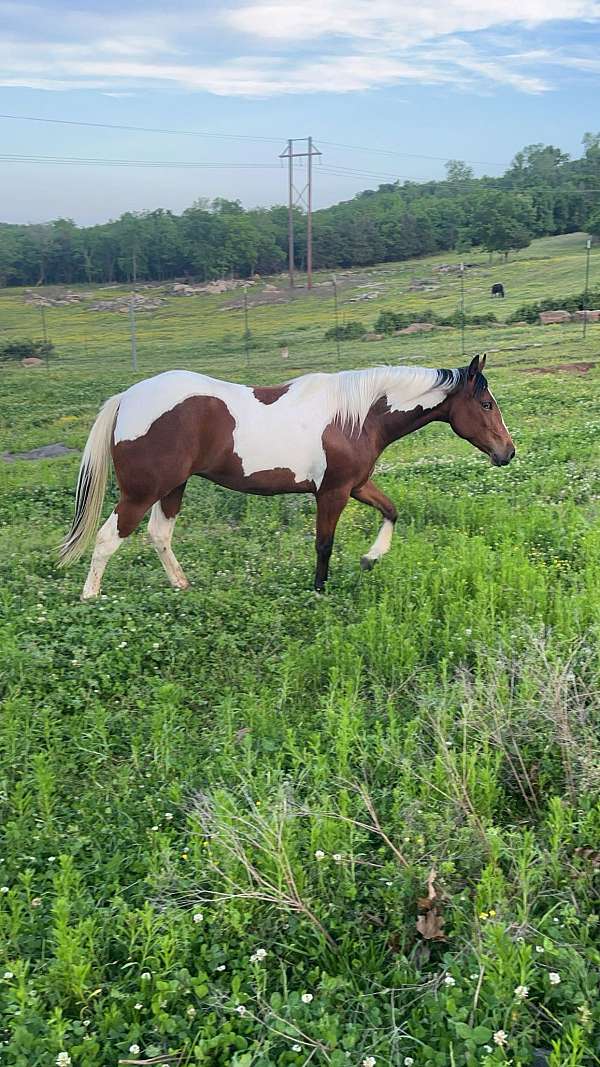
{"x": 264, "y": 330}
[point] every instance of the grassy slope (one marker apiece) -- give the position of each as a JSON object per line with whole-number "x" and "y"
{"x": 459, "y": 681}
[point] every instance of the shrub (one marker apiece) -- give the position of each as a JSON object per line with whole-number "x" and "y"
{"x": 389, "y": 321}
{"x": 350, "y": 331}
{"x": 23, "y": 348}
{"x": 530, "y": 312}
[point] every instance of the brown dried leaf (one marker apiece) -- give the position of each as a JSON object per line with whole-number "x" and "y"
{"x": 431, "y": 926}
{"x": 590, "y": 855}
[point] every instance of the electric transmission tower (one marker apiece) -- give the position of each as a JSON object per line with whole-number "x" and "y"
{"x": 298, "y": 196}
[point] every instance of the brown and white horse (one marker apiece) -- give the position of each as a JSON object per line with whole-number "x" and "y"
{"x": 319, "y": 434}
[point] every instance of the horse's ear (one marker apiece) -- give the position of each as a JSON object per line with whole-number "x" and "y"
{"x": 482, "y": 362}
{"x": 473, "y": 367}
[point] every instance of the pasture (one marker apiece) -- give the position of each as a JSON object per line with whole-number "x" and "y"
{"x": 222, "y": 809}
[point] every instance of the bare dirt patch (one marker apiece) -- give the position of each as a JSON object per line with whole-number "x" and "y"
{"x": 560, "y": 368}
{"x": 45, "y": 452}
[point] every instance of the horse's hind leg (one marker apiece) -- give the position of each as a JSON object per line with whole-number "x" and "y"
{"x": 123, "y": 521}
{"x": 370, "y": 494}
{"x": 160, "y": 529}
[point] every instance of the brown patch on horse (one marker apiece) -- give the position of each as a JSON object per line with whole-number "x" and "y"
{"x": 570, "y": 368}
{"x": 268, "y": 394}
{"x": 194, "y": 437}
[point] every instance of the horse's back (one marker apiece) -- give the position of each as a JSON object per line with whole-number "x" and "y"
{"x": 148, "y": 400}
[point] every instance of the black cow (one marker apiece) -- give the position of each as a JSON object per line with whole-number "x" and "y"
{"x": 498, "y": 289}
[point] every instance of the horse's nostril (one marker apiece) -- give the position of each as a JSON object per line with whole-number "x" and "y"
{"x": 512, "y": 453}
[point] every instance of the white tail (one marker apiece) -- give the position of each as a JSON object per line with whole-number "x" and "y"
{"x": 91, "y": 483}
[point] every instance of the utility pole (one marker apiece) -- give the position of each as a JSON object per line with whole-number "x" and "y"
{"x": 297, "y": 196}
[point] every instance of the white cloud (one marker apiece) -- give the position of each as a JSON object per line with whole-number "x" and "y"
{"x": 398, "y": 23}
{"x": 270, "y": 49}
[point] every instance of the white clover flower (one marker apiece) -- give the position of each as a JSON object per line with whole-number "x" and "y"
{"x": 474, "y": 977}
{"x": 168, "y": 815}
{"x": 258, "y": 956}
{"x": 4, "y": 889}
{"x": 554, "y": 978}
{"x": 145, "y": 976}
{"x": 408, "y": 1061}
{"x": 63, "y": 1059}
{"x": 138, "y": 1006}
{"x": 369, "y": 1061}
{"x": 198, "y": 917}
{"x": 319, "y": 855}
{"x": 134, "y": 1049}
{"x": 539, "y": 948}
{"x": 449, "y": 980}
{"x": 337, "y": 857}
{"x": 306, "y": 998}
{"x": 500, "y": 1038}
{"x": 221, "y": 967}
{"x": 8, "y": 975}
{"x": 240, "y": 1009}
{"x": 296, "y": 1048}
{"x": 191, "y": 1012}
{"x": 522, "y": 992}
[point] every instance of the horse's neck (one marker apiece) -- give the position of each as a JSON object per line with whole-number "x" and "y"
{"x": 389, "y": 426}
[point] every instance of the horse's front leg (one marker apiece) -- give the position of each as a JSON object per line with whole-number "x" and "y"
{"x": 330, "y": 505}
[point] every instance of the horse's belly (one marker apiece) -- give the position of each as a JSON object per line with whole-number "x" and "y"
{"x": 263, "y": 483}
{"x": 290, "y": 451}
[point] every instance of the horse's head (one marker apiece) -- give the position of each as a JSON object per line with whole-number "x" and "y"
{"x": 474, "y": 414}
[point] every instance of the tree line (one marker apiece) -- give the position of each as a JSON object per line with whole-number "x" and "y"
{"x": 543, "y": 192}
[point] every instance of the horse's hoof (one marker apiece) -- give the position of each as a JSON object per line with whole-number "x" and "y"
{"x": 367, "y": 563}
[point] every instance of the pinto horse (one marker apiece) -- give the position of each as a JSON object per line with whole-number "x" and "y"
{"x": 319, "y": 434}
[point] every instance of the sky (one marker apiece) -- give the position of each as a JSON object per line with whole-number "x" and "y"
{"x": 387, "y": 89}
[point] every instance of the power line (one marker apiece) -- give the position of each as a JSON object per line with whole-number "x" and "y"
{"x": 233, "y": 137}
{"x": 141, "y": 129}
{"x": 410, "y": 155}
{"x": 149, "y": 163}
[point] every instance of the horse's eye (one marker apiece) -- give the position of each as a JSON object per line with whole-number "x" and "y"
{"x": 486, "y": 404}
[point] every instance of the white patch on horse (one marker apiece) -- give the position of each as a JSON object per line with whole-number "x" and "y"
{"x": 288, "y": 433}
{"x": 499, "y": 412}
{"x": 160, "y": 530}
{"x": 383, "y": 541}
{"x": 107, "y": 543}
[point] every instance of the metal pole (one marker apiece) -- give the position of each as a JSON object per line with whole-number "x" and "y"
{"x": 309, "y": 219}
{"x": 246, "y": 332}
{"x": 337, "y": 321}
{"x": 588, "y": 246}
{"x": 45, "y": 336}
{"x": 132, "y": 332}
{"x": 291, "y": 212}
{"x": 462, "y": 307}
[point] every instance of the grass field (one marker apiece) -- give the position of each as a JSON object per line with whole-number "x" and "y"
{"x": 220, "y": 809}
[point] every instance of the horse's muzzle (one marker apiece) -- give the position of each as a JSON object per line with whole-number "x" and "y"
{"x": 501, "y": 459}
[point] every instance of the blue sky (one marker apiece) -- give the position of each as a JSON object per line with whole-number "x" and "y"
{"x": 422, "y": 82}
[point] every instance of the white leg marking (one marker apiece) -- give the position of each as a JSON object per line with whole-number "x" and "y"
{"x": 382, "y": 542}
{"x": 107, "y": 542}
{"x": 160, "y": 529}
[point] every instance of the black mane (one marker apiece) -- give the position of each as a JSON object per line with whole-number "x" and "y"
{"x": 457, "y": 379}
